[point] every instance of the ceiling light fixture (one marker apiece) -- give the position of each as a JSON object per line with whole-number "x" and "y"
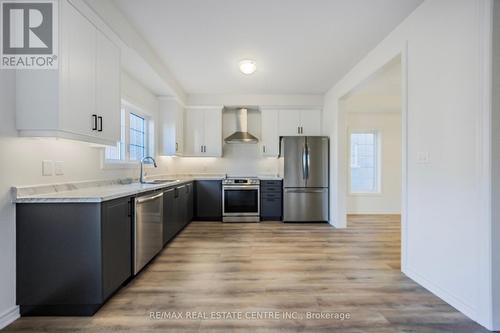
{"x": 248, "y": 66}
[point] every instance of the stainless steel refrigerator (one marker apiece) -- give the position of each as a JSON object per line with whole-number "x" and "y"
{"x": 306, "y": 173}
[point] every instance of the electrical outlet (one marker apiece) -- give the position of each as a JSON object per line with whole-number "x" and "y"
{"x": 59, "y": 168}
{"x": 47, "y": 168}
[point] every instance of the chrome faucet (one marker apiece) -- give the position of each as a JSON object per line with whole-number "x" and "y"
{"x": 145, "y": 158}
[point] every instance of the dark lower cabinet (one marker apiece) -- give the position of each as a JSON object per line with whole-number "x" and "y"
{"x": 71, "y": 257}
{"x": 208, "y": 200}
{"x": 177, "y": 210}
{"x": 271, "y": 200}
{"x": 169, "y": 215}
{"x": 190, "y": 201}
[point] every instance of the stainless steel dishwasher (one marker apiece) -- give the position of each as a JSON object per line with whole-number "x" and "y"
{"x": 148, "y": 229}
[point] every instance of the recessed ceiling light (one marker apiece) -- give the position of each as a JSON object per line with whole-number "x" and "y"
{"x": 248, "y": 66}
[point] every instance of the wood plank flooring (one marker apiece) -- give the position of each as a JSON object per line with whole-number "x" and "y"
{"x": 271, "y": 267}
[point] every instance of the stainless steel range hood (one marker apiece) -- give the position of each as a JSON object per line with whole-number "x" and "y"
{"x": 241, "y": 135}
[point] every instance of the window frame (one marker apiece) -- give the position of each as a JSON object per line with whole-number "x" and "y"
{"x": 128, "y": 108}
{"x": 378, "y": 162}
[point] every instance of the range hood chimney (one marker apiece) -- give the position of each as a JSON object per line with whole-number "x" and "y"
{"x": 241, "y": 135}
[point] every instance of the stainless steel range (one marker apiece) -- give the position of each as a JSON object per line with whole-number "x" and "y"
{"x": 241, "y": 200}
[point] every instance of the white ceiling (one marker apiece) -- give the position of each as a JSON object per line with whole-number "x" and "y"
{"x": 381, "y": 92}
{"x": 300, "y": 46}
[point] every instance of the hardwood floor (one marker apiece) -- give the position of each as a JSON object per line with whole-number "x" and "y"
{"x": 272, "y": 267}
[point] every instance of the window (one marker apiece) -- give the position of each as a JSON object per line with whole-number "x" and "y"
{"x": 136, "y": 137}
{"x": 364, "y": 169}
{"x": 137, "y": 145}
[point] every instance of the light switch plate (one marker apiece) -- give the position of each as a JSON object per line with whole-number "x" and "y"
{"x": 47, "y": 168}
{"x": 59, "y": 168}
{"x": 423, "y": 157}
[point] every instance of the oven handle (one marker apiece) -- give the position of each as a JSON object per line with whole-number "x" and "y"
{"x": 225, "y": 187}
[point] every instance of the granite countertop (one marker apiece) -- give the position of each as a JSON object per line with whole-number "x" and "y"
{"x": 94, "y": 194}
{"x": 103, "y": 190}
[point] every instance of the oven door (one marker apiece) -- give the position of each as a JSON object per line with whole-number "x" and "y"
{"x": 241, "y": 201}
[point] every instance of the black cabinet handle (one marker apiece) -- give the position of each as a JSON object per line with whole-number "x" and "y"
{"x": 100, "y": 124}
{"x": 94, "y": 122}
{"x": 176, "y": 147}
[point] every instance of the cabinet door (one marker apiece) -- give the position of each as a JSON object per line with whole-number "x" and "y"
{"x": 179, "y": 131}
{"x": 289, "y": 122}
{"x": 169, "y": 215}
{"x": 116, "y": 244}
{"x": 310, "y": 120}
{"x": 195, "y": 132}
{"x": 108, "y": 88}
{"x": 78, "y": 72}
{"x": 208, "y": 200}
{"x": 269, "y": 135}
{"x": 213, "y": 132}
{"x": 190, "y": 202}
{"x": 171, "y": 125}
{"x": 181, "y": 204}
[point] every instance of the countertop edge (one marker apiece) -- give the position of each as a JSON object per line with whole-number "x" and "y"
{"x": 46, "y": 198}
{"x": 98, "y": 199}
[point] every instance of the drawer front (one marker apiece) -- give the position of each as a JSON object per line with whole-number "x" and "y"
{"x": 270, "y": 183}
{"x": 271, "y": 195}
{"x": 271, "y": 208}
{"x": 270, "y": 189}
{"x": 271, "y": 186}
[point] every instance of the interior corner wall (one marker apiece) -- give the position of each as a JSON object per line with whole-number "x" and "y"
{"x": 495, "y": 167}
{"x": 388, "y": 126}
{"x": 445, "y": 234}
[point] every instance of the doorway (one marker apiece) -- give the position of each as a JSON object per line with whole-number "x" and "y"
{"x": 372, "y": 150}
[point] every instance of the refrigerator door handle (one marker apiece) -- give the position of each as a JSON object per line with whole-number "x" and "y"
{"x": 304, "y": 163}
{"x": 308, "y": 161}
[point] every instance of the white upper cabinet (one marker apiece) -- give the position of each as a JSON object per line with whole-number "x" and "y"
{"x": 171, "y": 128}
{"x": 310, "y": 122}
{"x": 299, "y": 122}
{"x": 213, "y": 132}
{"x": 78, "y": 65}
{"x": 269, "y": 140}
{"x": 108, "y": 94}
{"x": 203, "y": 132}
{"x": 81, "y": 99}
{"x": 289, "y": 122}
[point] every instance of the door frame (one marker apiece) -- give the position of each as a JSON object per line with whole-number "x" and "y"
{"x": 340, "y": 162}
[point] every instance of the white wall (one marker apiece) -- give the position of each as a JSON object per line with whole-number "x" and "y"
{"x": 388, "y": 126}
{"x": 445, "y": 232}
{"x": 21, "y": 160}
{"x": 495, "y": 166}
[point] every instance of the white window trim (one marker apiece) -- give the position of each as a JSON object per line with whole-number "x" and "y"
{"x": 378, "y": 165}
{"x": 126, "y": 163}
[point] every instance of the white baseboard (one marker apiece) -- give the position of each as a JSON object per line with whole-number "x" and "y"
{"x": 9, "y": 316}
{"x": 446, "y": 296}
